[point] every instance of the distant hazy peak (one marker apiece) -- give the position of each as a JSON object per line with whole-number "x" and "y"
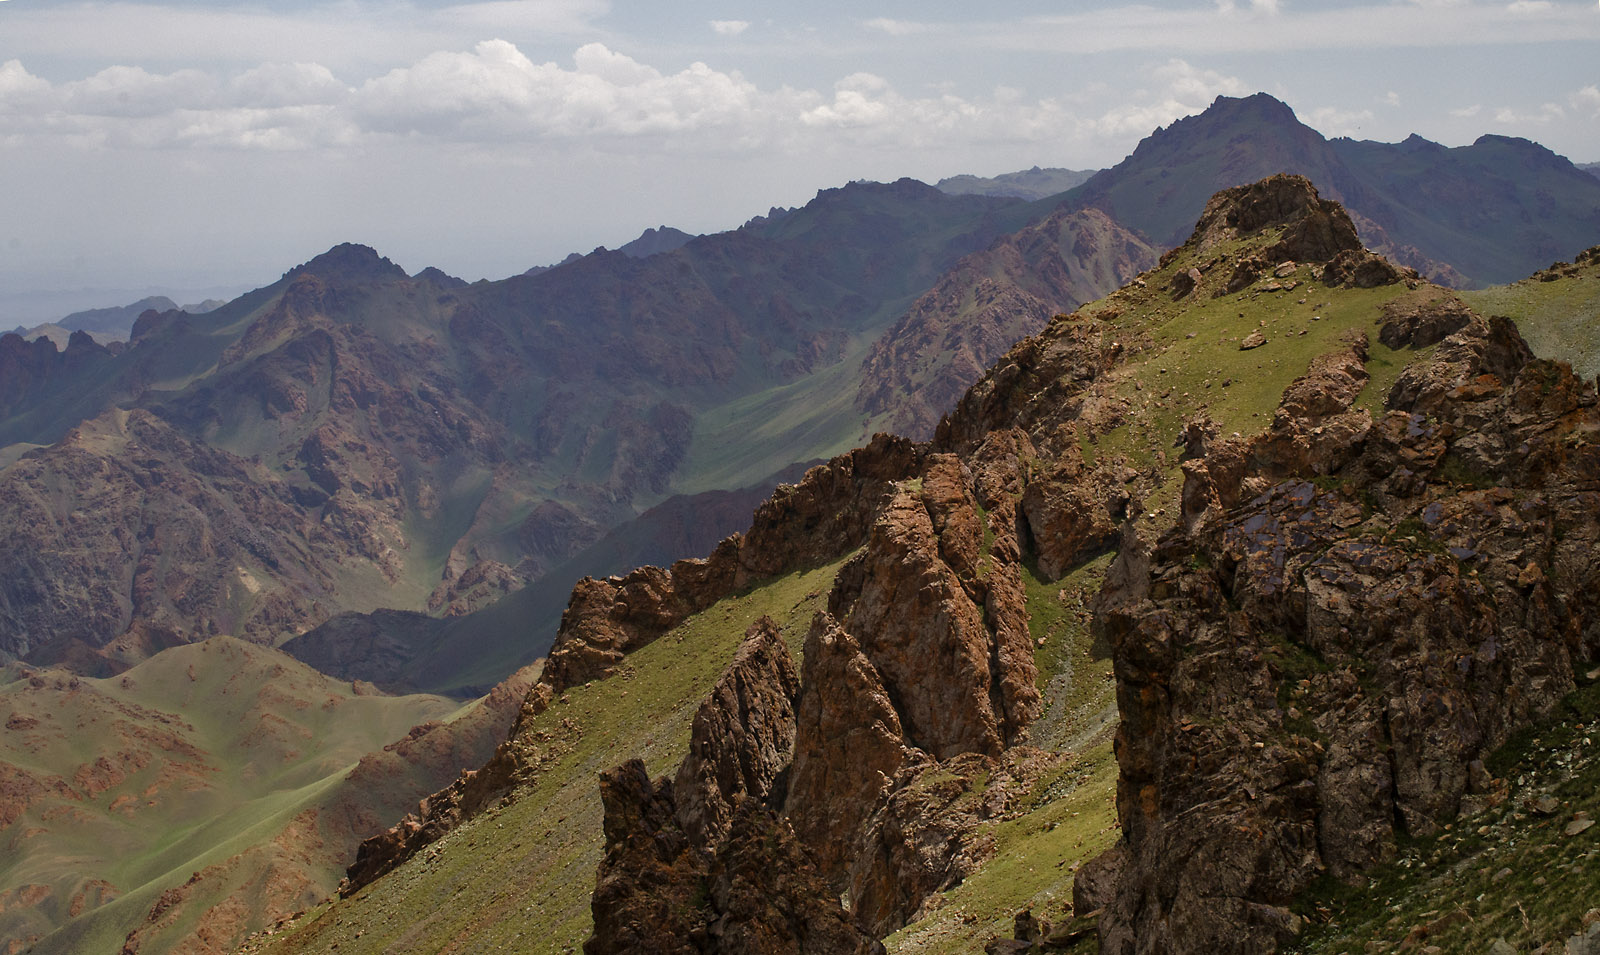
{"x": 656, "y": 241}
{"x": 1035, "y": 183}
{"x": 439, "y": 277}
{"x": 350, "y": 262}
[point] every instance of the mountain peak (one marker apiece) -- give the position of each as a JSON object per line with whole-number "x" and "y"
{"x": 655, "y": 241}
{"x": 1262, "y": 104}
{"x": 350, "y": 262}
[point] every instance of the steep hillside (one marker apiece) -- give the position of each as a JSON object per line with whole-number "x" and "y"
{"x": 1286, "y": 411}
{"x": 529, "y": 886}
{"x": 204, "y": 791}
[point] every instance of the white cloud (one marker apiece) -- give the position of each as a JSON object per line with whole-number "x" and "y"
{"x": 897, "y": 27}
{"x": 287, "y": 84}
{"x": 18, "y": 87}
{"x": 1586, "y": 100}
{"x": 1391, "y": 98}
{"x": 1467, "y": 112}
{"x": 1528, "y": 6}
{"x": 729, "y": 27}
{"x": 133, "y": 91}
{"x": 1230, "y": 7}
{"x": 1333, "y": 121}
{"x": 1542, "y": 116}
{"x": 495, "y": 92}
{"x": 1184, "y": 91}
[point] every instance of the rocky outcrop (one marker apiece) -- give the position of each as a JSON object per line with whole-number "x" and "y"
{"x": 830, "y": 511}
{"x": 702, "y": 863}
{"x": 742, "y": 737}
{"x": 1313, "y": 229}
{"x": 605, "y": 619}
{"x": 1072, "y": 514}
{"x": 849, "y": 745}
{"x": 1306, "y": 671}
{"x": 885, "y": 754}
{"x": 819, "y": 519}
{"x": 1314, "y": 432}
{"x": 1309, "y": 229}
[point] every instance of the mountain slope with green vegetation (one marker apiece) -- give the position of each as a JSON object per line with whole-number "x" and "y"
{"x": 1557, "y": 309}
{"x": 218, "y": 757}
{"x": 518, "y": 876}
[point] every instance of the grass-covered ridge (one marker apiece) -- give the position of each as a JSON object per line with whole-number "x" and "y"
{"x": 1557, "y": 311}
{"x": 518, "y": 878}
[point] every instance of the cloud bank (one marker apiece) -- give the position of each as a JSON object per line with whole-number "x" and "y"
{"x": 494, "y": 93}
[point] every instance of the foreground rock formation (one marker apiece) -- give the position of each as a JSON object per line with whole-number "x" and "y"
{"x": 701, "y": 862}
{"x": 1356, "y": 611}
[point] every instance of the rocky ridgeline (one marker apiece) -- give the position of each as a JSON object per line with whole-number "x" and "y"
{"x": 1351, "y": 611}
{"x": 1353, "y": 614}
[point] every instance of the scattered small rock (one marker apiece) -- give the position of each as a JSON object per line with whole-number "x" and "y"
{"x": 1253, "y": 340}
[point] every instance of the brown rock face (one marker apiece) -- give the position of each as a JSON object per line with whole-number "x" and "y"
{"x": 1315, "y": 229}
{"x": 830, "y": 511}
{"x": 885, "y": 751}
{"x": 742, "y": 737}
{"x": 1311, "y": 669}
{"x": 1072, "y": 514}
{"x": 647, "y": 898}
{"x": 849, "y": 744}
{"x": 704, "y": 864}
{"x": 825, "y": 515}
{"x": 607, "y": 618}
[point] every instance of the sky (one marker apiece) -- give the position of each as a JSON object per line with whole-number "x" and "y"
{"x": 213, "y": 144}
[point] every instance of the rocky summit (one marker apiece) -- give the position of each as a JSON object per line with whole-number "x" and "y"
{"x": 1332, "y": 580}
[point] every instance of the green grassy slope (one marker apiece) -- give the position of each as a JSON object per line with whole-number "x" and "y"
{"x": 518, "y": 878}
{"x": 183, "y": 761}
{"x": 1557, "y": 311}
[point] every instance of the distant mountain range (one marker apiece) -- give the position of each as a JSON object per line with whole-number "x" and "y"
{"x": 113, "y": 324}
{"x": 1032, "y": 183}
